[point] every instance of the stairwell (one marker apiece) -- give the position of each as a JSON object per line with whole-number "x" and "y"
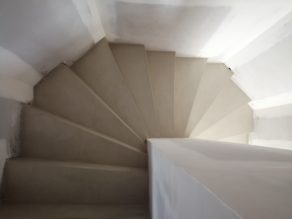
{"x": 83, "y": 139}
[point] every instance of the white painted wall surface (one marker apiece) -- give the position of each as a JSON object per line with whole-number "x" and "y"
{"x": 251, "y": 37}
{"x": 268, "y": 74}
{"x": 214, "y": 180}
{"x": 35, "y": 36}
{"x": 89, "y": 15}
{"x": 275, "y": 34}
{"x": 273, "y": 127}
{"x": 216, "y": 29}
{"x": 177, "y": 194}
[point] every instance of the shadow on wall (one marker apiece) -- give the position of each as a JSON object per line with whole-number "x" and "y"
{"x": 189, "y": 28}
{"x": 9, "y": 131}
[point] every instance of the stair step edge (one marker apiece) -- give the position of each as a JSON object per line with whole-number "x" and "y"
{"x": 88, "y": 130}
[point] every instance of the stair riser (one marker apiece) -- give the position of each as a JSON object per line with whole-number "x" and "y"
{"x": 64, "y": 94}
{"x": 213, "y": 80}
{"x": 99, "y": 70}
{"x": 188, "y": 73}
{"x": 161, "y": 73}
{"x": 133, "y": 63}
{"x": 50, "y": 137}
{"x": 227, "y": 101}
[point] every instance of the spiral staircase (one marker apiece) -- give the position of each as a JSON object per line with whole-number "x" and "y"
{"x": 83, "y": 139}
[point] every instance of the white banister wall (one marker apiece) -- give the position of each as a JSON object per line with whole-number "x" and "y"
{"x": 176, "y": 193}
{"x": 205, "y": 179}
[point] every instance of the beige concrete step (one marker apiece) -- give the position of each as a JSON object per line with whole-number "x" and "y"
{"x": 228, "y": 100}
{"x": 99, "y": 70}
{"x": 50, "y": 182}
{"x": 44, "y": 135}
{"x": 74, "y": 211}
{"x": 133, "y": 63}
{"x": 215, "y": 77}
{"x": 235, "y": 123}
{"x": 161, "y": 72}
{"x": 241, "y": 139}
{"x": 64, "y": 94}
{"x": 188, "y": 73}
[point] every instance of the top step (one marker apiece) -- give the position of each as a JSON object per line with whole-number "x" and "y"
{"x": 54, "y": 182}
{"x": 133, "y": 63}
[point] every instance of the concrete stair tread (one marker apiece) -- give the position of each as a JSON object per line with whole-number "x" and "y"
{"x": 240, "y": 138}
{"x": 64, "y": 94}
{"x": 74, "y": 211}
{"x": 237, "y": 122}
{"x": 133, "y": 63}
{"x": 74, "y": 164}
{"x": 161, "y": 73}
{"x": 55, "y": 182}
{"x": 72, "y": 142}
{"x": 214, "y": 78}
{"x": 188, "y": 73}
{"x": 99, "y": 70}
{"x": 227, "y": 101}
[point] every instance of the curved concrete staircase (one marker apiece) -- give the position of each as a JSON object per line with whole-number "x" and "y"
{"x": 83, "y": 140}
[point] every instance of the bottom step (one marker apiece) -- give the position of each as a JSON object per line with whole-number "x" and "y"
{"x": 52, "y": 182}
{"x": 74, "y": 211}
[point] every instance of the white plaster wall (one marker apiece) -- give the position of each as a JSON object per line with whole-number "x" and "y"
{"x": 35, "y": 36}
{"x": 43, "y": 33}
{"x": 14, "y": 67}
{"x": 205, "y": 179}
{"x": 276, "y": 33}
{"x": 89, "y": 15}
{"x": 272, "y": 127}
{"x": 216, "y": 29}
{"x": 177, "y": 194}
{"x": 263, "y": 70}
{"x": 268, "y": 74}
{"x": 251, "y": 37}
